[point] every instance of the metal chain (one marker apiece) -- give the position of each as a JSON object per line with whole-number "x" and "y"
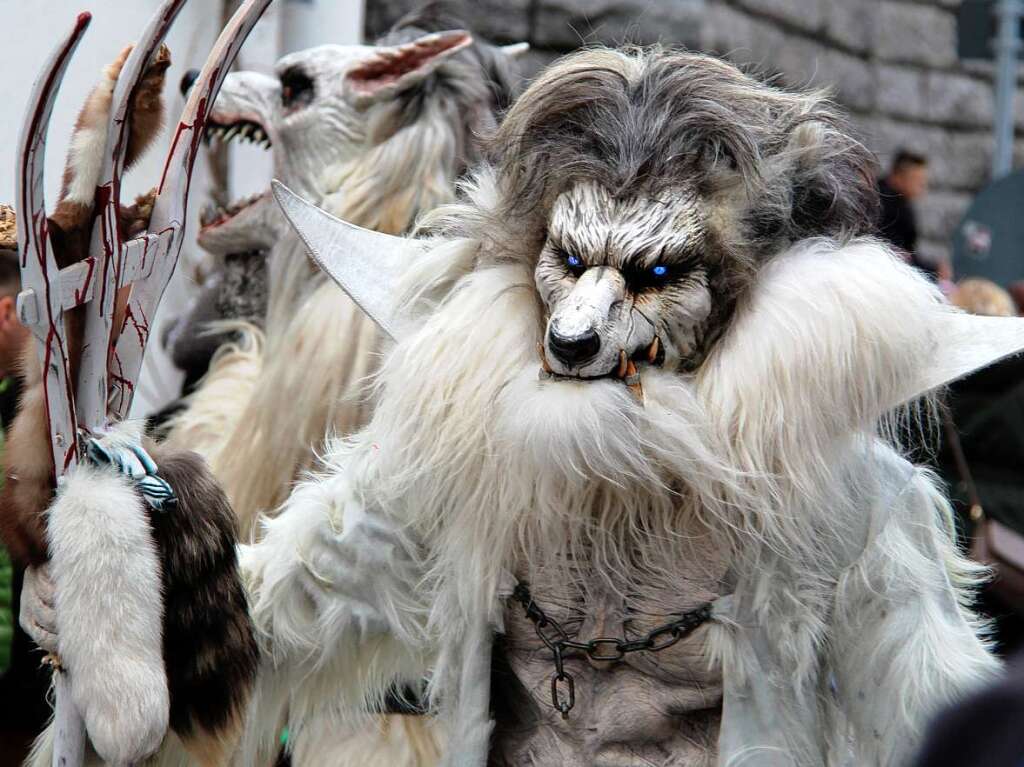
{"x": 607, "y": 649}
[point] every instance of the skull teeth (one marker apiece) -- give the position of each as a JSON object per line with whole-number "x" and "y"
{"x": 243, "y": 130}
{"x": 623, "y": 364}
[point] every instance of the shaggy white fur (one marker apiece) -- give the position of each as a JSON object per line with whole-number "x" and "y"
{"x": 109, "y": 615}
{"x": 779, "y": 444}
{"x": 385, "y": 742}
{"x": 330, "y": 585}
{"x": 171, "y": 754}
{"x": 88, "y": 145}
{"x": 216, "y": 406}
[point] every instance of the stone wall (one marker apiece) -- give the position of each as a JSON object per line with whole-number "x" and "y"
{"x": 892, "y": 63}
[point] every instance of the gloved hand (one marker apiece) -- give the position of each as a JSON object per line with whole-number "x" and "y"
{"x": 121, "y": 449}
{"x": 38, "y": 616}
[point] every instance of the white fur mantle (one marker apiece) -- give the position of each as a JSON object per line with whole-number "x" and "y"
{"x": 847, "y": 629}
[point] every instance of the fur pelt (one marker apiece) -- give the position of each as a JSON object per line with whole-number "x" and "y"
{"x": 141, "y": 586}
{"x": 29, "y": 471}
{"x": 780, "y": 443}
{"x": 107, "y": 579}
{"x": 209, "y": 645}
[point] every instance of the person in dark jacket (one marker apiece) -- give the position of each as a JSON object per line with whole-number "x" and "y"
{"x": 23, "y": 684}
{"x": 987, "y": 411}
{"x": 906, "y": 183}
{"x": 982, "y": 731}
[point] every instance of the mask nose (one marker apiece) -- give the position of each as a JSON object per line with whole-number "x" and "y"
{"x": 188, "y": 80}
{"x": 576, "y": 349}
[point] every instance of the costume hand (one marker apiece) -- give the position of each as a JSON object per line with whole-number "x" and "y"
{"x": 38, "y": 616}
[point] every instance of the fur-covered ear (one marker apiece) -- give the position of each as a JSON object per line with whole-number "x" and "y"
{"x": 393, "y": 69}
{"x": 830, "y": 179}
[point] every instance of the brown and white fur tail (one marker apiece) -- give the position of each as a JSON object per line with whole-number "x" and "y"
{"x": 153, "y": 623}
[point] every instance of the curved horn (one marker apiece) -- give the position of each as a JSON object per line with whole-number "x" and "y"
{"x": 968, "y": 343}
{"x": 515, "y": 50}
{"x": 106, "y": 245}
{"x": 366, "y": 264}
{"x": 160, "y": 248}
{"x": 39, "y": 304}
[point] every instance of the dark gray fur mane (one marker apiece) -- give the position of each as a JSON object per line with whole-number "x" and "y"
{"x": 479, "y": 75}
{"x": 643, "y": 120}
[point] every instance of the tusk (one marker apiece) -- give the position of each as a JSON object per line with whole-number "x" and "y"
{"x": 632, "y": 379}
{"x": 515, "y": 50}
{"x": 622, "y": 363}
{"x": 652, "y": 351}
{"x": 544, "y": 359}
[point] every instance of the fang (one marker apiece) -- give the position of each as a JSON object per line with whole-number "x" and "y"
{"x": 544, "y": 359}
{"x": 652, "y": 351}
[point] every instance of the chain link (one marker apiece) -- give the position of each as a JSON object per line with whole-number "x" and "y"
{"x": 603, "y": 649}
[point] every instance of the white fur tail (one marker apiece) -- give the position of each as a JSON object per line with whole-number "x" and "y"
{"x": 109, "y": 608}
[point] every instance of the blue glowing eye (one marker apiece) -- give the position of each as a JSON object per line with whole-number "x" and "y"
{"x": 574, "y": 261}
{"x": 659, "y": 271}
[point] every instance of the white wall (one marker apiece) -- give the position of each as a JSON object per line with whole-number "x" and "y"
{"x": 31, "y": 28}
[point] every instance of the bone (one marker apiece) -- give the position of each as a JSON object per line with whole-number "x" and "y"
{"x": 652, "y": 351}
{"x": 623, "y": 364}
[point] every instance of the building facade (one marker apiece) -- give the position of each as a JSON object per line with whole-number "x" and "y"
{"x": 891, "y": 63}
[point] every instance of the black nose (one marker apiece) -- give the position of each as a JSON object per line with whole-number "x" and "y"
{"x": 187, "y": 80}
{"x": 574, "y": 350}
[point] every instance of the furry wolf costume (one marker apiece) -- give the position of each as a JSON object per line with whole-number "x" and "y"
{"x": 648, "y": 370}
{"x": 662, "y": 221}
{"x": 377, "y": 135}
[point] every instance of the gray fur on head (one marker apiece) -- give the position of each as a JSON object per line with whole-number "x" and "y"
{"x": 476, "y": 83}
{"x": 628, "y": 159}
{"x": 489, "y": 60}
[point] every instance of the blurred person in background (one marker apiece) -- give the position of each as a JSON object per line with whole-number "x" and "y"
{"x": 980, "y": 457}
{"x": 982, "y": 731}
{"x": 1016, "y": 290}
{"x": 23, "y": 683}
{"x": 906, "y": 183}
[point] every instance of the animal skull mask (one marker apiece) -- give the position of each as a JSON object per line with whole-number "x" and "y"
{"x": 318, "y": 110}
{"x": 647, "y": 193}
{"x": 624, "y": 282}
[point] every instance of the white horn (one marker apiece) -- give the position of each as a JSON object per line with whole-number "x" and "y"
{"x": 366, "y": 264}
{"x": 968, "y": 343}
{"x": 515, "y": 50}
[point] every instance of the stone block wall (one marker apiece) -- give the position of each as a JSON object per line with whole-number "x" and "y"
{"x": 892, "y": 63}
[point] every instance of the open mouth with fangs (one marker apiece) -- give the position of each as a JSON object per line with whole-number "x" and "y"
{"x": 242, "y": 130}
{"x": 626, "y": 371}
{"x": 213, "y": 215}
{"x": 224, "y": 131}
